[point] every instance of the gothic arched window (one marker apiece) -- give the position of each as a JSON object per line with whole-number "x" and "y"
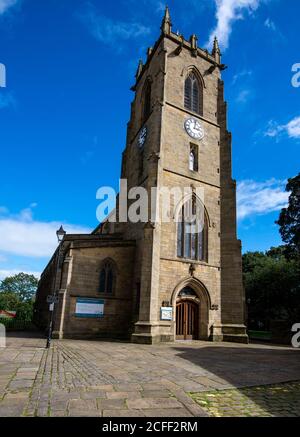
{"x": 192, "y": 231}
{"x": 107, "y": 277}
{"x": 147, "y": 100}
{"x": 193, "y": 94}
{"x": 187, "y": 291}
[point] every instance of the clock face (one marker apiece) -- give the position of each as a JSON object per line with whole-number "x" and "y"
{"x": 194, "y": 128}
{"x": 142, "y": 137}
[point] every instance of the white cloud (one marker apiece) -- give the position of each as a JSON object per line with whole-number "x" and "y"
{"x": 270, "y": 24}
{"x": 111, "y": 31}
{"x": 6, "y": 4}
{"x": 160, "y": 7}
{"x": 22, "y": 235}
{"x": 242, "y": 74}
{"x": 5, "y": 273}
{"x": 229, "y": 11}
{"x": 260, "y": 198}
{"x": 243, "y": 96}
{"x": 292, "y": 129}
{"x": 273, "y": 129}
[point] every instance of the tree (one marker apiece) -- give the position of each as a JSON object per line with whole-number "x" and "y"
{"x": 289, "y": 219}
{"x": 24, "y": 286}
{"x": 8, "y": 301}
{"x": 272, "y": 284}
{"x": 277, "y": 253}
{"x": 251, "y": 260}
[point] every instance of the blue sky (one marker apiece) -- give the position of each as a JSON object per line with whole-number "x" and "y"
{"x": 69, "y": 68}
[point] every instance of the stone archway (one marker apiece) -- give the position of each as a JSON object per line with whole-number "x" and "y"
{"x": 191, "y": 304}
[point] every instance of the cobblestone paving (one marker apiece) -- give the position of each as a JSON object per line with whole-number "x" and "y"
{"x": 97, "y": 378}
{"x": 280, "y": 400}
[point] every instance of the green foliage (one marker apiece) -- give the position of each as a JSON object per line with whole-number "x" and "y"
{"x": 17, "y": 294}
{"x": 289, "y": 219}
{"x": 251, "y": 260}
{"x": 272, "y": 279}
{"x": 272, "y": 284}
{"x": 22, "y": 284}
{"x": 8, "y": 301}
{"x": 25, "y": 311}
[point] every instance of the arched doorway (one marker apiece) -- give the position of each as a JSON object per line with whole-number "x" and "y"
{"x": 187, "y": 315}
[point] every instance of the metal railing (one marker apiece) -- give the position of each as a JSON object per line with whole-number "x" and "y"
{"x": 17, "y": 325}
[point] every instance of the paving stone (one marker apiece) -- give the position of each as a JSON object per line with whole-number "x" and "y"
{"x": 123, "y": 413}
{"x": 104, "y": 387}
{"x": 123, "y": 395}
{"x": 111, "y": 404}
{"x": 84, "y": 413}
{"x": 56, "y": 406}
{"x": 153, "y": 403}
{"x": 261, "y": 403}
{"x": 58, "y": 413}
{"x": 93, "y": 394}
{"x": 128, "y": 387}
{"x": 171, "y": 412}
{"x": 124, "y": 379}
{"x": 15, "y": 397}
{"x": 77, "y": 404}
{"x": 11, "y": 410}
{"x": 42, "y": 412}
{"x": 155, "y": 394}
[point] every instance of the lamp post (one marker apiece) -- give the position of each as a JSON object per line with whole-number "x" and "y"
{"x": 60, "y": 233}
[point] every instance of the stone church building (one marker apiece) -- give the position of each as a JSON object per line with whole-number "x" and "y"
{"x": 156, "y": 281}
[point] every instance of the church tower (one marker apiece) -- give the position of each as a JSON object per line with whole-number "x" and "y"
{"x": 177, "y": 137}
{"x": 165, "y": 276}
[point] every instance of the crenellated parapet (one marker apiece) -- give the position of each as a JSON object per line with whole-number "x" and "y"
{"x": 214, "y": 57}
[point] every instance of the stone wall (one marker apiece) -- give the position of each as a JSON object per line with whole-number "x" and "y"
{"x": 118, "y": 307}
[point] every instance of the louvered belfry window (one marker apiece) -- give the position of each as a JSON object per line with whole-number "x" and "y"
{"x": 193, "y": 94}
{"x": 147, "y": 101}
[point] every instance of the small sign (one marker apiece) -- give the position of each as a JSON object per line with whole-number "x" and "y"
{"x": 51, "y": 307}
{"x": 88, "y": 307}
{"x": 52, "y": 298}
{"x": 166, "y": 313}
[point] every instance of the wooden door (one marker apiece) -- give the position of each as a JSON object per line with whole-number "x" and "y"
{"x": 187, "y": 320}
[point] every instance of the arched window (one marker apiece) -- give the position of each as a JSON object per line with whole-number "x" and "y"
{"x": 193, "y": 94}
{"x": 187, "y": 291}
{"x": 147, "y": 100}
{"x": 107, "y": 277}
{"x": 192, "y": 231}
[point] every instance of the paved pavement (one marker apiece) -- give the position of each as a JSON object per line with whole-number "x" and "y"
{"x": 100, "y": 378}
{"x": 278, "y": 400}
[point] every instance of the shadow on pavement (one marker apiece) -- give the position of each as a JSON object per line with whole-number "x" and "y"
{"x": 248, "y": 366}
